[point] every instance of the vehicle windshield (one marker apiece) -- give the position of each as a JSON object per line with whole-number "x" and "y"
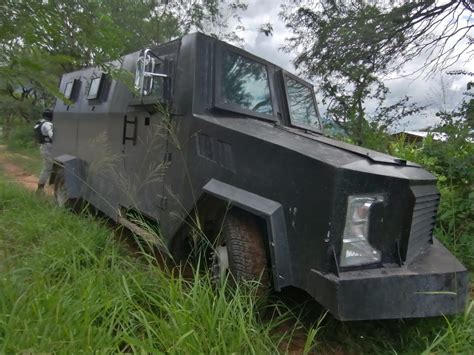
{"x": 302, "y": 105}
{"x": 245, "y": 83}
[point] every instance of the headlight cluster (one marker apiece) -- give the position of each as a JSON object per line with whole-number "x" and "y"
{"x": 356, "y": 249}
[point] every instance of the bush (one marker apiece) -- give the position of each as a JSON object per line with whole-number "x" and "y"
{"x": 452, "y": 161}
{"x": 22, "y": 137}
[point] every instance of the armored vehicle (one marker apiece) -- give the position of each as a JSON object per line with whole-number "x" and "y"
{"x": 213, "y": 140}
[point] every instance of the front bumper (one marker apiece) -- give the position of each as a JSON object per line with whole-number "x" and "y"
{"x": 434, "y": 283}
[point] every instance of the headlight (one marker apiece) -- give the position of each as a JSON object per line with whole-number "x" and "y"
{"x": 356, "y": 249}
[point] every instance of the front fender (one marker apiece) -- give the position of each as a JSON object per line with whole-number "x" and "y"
{"x": 269, "y": 210}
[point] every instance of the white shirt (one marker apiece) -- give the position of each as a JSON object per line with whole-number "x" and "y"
{"x": 47, "y": 129}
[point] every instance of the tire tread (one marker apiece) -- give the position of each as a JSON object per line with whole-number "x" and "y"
{"x": 247, "y": 255}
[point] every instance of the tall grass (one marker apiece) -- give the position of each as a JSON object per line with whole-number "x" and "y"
{"x": 438, "y": 335}
{"x": 22, "y": 150}
{"x": 68, "y": 285}
{"x": 21, "y": 138}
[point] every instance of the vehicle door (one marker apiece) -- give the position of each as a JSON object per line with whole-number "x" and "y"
{"x": 145, "y": 135}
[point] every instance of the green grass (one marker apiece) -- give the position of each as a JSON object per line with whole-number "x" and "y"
{"x": 67, "y": 285}
{"x": 31, "y": 162}
{"x": 22, "y": 149}
{"x": 450, "y": 335}
{"x": 21, "y": 138}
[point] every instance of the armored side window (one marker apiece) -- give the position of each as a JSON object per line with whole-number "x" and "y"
{"x": 243, "y": 85}
{"x": 301, "y": 104}
{"x": 68, "y": 90}
{"x": 95, "y": 86}
{"x": 71, "y": 90}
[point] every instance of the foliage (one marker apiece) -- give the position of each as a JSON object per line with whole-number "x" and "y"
{"x": 40, "y": 40}
{"x": 214, "y": 17}
{"x": 343, "y": 44}
{"x": 450, "y": 335}
{"x": 350, "y": 45}
{"x": 68, "y": 285}
{"x": 266, "y": 29}
{"x": 452, "y": 161}
{"x": 21, "y": 139}
{"x": 439, "y": 30}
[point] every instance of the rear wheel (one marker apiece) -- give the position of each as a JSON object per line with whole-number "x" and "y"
{"x": 240, "y": 251}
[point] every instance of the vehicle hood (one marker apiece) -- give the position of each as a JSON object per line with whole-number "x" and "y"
{"x": 327, "y": 150}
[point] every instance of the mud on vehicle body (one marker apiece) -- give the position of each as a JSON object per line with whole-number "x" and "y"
{"x": 214, "y": 131}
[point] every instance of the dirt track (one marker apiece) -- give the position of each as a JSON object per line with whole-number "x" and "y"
{"x": 15, "y": 172}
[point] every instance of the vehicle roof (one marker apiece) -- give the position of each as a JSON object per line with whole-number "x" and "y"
{"x": 250, "y": 54}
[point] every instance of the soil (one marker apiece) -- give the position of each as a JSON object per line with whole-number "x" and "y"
{"x": 16, "y": 173}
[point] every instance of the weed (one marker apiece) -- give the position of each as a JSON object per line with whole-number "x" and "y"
{"x": 68, "y": 285}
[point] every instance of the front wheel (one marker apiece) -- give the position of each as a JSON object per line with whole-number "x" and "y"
{"x": 240, "y": 251}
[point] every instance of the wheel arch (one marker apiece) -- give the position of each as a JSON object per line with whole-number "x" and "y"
{"x": 218, "y": 196}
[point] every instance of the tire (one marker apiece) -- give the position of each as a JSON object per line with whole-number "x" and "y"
{"x": 241, "y": 239}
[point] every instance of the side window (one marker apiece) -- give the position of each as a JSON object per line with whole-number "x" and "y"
{"x": 71, "y": 90}
{"x": 96, "y": 88}
{"x": 244, "y": 82}
{"x": 68, "y": 90}
{"x": 301, "y": 104}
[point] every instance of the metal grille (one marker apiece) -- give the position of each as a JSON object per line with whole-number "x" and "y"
{"x": 424, "y": 219}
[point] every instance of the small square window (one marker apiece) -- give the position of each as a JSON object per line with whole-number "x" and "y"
{"x": 71, "y": 89}
{"x": 301, "y": 104}
{"x": 68, "y": 90}
{"x": 94, "y": 89}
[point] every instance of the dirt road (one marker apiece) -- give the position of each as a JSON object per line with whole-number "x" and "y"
{"x": 15, "y": 172}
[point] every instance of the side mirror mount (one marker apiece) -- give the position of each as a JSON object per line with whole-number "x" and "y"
{"x": 149, "y": 77}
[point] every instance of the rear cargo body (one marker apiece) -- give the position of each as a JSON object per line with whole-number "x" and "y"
{"x": 307, "y": 189}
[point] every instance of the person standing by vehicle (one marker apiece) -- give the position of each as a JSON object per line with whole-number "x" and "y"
{"x": 44, "y": 136}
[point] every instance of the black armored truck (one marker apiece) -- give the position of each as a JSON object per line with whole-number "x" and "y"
{"x": 213, "y": 139}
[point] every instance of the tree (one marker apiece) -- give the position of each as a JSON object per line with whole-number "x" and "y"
{"x": 212, "y": 17}
{"x": 40, "y": 40}
{"x": 439, "y": 30}
{"x": 343, "y": 45}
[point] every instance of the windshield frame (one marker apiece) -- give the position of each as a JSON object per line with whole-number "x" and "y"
{"x": 218, "y": 75}
{"x": 286, "y": 75}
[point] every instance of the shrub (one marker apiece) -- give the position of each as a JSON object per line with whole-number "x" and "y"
{"x": 22, "y": 137}
{"x": 452, "y": 161}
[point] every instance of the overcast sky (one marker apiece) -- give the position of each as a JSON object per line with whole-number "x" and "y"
{"x": 424, "y": 91}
